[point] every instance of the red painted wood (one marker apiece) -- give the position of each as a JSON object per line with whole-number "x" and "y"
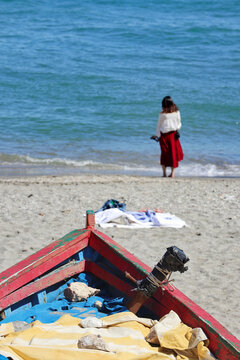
{"x": 51, "y": 279}
{"x": 30, "y": 259}
{"x": 41, "y": 284}
{"x": 44, "y": 264}
{"x": 118, "y": 256}
{"x": 111, "y": 279}
{"x": 220, "y": 339}
{"x": 121, "y": 250}
{"x": 90, "y": 220}
{"x": 182, "y": 301}
{"x": 120, "y": 284}
{"x": 222, "y": 343}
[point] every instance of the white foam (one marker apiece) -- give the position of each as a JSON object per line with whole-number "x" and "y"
{"x": 186, "y": 168}
{"x": 208, "y": 170}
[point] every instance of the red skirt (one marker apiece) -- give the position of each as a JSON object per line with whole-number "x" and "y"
{"x": 171, "y": 150}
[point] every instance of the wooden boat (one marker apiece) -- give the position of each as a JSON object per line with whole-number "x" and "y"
{"x": 32, "y": 280}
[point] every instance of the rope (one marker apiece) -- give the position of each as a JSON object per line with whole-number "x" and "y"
{"x": 165, "y": 273}
{"x": 156, "y": 282}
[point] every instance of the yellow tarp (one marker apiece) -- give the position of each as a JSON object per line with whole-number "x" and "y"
{"x": 124, "y": 335}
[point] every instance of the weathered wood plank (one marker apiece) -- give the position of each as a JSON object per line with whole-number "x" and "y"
{"x": 39, "y": 267}
{"x": 39, "y": 254}
{"x": 118, "y": 256}
{"x": 222, "y": 342}
{"x": 41, "y": 284}
{"x": 120, "y": 284}
{"x": 16, "y": 282}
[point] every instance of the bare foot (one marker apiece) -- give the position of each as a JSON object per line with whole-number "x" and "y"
{"x": 172, "y": 172}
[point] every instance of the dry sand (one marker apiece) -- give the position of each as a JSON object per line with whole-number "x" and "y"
{"x": 35, "y": 211}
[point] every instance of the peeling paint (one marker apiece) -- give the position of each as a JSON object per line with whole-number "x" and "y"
{"x": 68, "y": 238}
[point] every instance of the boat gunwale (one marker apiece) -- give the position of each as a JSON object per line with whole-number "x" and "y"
{"x": 222, "y": 343}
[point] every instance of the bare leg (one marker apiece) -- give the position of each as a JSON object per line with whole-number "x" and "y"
{"x": 172, "y": 172}
{"x": 164, "y": 170}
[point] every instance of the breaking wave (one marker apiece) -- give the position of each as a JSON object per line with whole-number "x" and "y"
{"x": 18, "y": 165}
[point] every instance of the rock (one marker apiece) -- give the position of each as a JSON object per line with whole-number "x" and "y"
{"x": 20, "y": 325}
{"x": 91, "y": 322}
{"x": 98, "y": 304}
{"x": 93, "y": 342}
{"x": 78, "y": 291}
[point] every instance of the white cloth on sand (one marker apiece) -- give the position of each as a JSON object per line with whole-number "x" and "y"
{"x": 114, "y": 217}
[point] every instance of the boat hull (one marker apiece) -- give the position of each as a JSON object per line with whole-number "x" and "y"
{"x": 90, "y": 251}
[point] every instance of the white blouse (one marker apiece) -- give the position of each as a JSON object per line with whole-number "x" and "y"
{"x": 168, "y": 122}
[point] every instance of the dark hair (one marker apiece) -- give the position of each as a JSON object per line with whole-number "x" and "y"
{"x": 168, "y": 105}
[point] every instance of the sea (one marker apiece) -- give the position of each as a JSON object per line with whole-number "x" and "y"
{"x": 81, "y": 85}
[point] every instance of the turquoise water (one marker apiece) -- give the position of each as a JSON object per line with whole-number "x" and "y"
{"x": 81, "y": 85}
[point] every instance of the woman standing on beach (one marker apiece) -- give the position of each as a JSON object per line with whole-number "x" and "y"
{"x": 169, "y": 122}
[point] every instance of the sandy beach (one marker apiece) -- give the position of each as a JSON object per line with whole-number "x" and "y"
{"x": 37, "y": 210}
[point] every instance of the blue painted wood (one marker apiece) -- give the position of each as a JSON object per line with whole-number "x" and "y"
{"x": 42, "y": 297}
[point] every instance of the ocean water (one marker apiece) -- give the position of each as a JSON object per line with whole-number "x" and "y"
{"x": 81, "y": 85}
